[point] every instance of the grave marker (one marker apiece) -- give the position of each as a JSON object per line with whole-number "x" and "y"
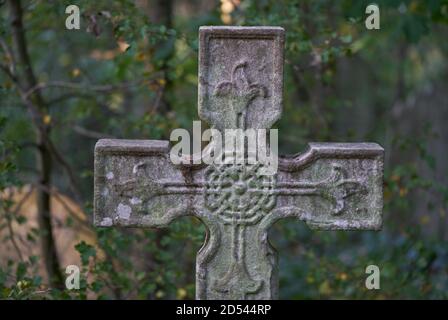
{"x": 332, "y": 186}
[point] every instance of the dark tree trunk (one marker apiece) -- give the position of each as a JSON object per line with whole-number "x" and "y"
{"x": 37, "y": 107}
{"x": 161, "y": 12}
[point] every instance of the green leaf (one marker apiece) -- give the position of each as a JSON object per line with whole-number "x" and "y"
{"x": 85, "y": 251}
{"x": 346, "y": 38}
{"x": 21, "y": 270}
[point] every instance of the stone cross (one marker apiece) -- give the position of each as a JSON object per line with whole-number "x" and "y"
{"x": 331, "y": 186}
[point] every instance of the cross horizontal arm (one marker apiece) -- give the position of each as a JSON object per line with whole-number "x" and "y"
{"x": 136, "y": 184}
{"x": 332, "y": 186}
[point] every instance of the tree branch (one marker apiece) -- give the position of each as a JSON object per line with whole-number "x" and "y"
{"x": 9, "y": 56}
{"x": 91, "y": 134}
{"x": 86, "y": 87}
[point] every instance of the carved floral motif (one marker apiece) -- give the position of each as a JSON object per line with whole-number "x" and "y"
{"x": 239, "y": 92}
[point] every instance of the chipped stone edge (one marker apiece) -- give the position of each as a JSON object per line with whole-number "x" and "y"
{"x": 110, "y": 147}
{"x": 266, "y": 32}
{"x": 319, "y": 150}
{"x": 134, "y": 147}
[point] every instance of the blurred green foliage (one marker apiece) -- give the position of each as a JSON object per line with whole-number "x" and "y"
{"x": 131, "y": 72}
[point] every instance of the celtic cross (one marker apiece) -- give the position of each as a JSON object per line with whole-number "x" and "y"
{"x": 331, "y": 186}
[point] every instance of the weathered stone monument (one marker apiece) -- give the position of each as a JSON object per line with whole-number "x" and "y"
{"x": 332, "y": 186}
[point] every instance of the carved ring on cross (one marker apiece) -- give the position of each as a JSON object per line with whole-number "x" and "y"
{"x": 238, "y": 193}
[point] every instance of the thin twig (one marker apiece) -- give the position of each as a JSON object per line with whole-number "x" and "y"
{"x": 9, "y": 222}
{"x": 8, "y": 72}
{"x": 65, "y": 206}
{"x": 70, "y": 96}
{"x": 86, "y": 87}
{"x": 71, "y": 175}
{"x": 9, "y": 56}
{"x": 91, "y": 134}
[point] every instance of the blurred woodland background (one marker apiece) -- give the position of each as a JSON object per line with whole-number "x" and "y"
{"x": 131, "y": 72}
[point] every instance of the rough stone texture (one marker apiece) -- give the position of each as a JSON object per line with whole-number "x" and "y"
{"x": 332, "y": 186}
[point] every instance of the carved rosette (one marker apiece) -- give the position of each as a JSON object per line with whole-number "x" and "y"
{"x": 239, "y": 193}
